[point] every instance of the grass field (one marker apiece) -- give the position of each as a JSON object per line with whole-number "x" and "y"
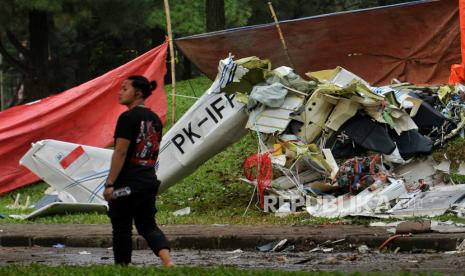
{"x": 214, "y": 192}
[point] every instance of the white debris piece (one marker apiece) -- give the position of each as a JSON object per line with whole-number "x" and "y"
{"x": 430, "y": 203}
{"x": 182, "y": 212}
{"x": 363, "y": 249}
{"x": 444, "y": 166}
{"x": 235, "y": 251}
{"x": 365, "y": 203}
{"x": 447, "y": 227}
{"x": 284, "y": 210}
{"x": 461, "y": 169}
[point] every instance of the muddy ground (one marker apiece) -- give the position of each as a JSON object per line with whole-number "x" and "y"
{"x": 309, "y": 261}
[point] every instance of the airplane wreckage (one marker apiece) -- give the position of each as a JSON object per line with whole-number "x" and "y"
{"x": 332, "y": 145}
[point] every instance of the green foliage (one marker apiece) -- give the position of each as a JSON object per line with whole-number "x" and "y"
{"x": 35, "y": 192}
{"x": 453, "y": 150}
{"x": 120, "y": 17}
{"x": 97, "y": 270}
{"x": 360, "y": 4}
{"x": 48, "y": 5}
{"x": 449, "y": 217}
{"x": 113, "y": 15}
{"x": 286, "y": 10}
{"x": 87, "y": 38}
{"x": 191, "y": 88}
{"x": 188, "y": 17}
{"x": 237, "y": 13}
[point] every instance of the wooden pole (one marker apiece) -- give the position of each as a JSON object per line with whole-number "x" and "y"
{"x": 281, "y": 37}
{"x": 173, "y": 72}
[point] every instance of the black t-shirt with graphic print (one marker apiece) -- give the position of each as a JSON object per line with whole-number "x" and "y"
{"x": 144, "y": 129}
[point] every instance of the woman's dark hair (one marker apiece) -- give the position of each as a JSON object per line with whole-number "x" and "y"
{"x": 142, "y": 83}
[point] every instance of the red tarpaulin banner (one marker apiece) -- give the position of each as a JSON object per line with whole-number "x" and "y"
{"x": 85, "y": 114}
{"x": 415, "y": 42}
{"x": 457, "y": 71}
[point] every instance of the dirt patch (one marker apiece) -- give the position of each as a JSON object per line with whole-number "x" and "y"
{"x": 290, "y": 261}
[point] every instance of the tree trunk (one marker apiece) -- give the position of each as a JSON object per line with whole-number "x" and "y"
{"x": 158, "y": 36}
{"x": 186, "y": 68}
{"x": 36, "y": 81}
{"x": 214, "y": 13}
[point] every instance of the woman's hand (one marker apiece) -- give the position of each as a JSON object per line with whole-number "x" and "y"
{"x": 108, "y": 193}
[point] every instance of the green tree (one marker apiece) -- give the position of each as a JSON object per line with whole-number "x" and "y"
{"x": 56, "y": 44}
{"x": 188, "y": 17}
{"x": 286, "y": 10}
{"x": 31, "y": 54}
{"x": 37, "y": 37}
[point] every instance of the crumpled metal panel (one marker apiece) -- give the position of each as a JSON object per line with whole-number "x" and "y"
{"x": 430, "y": 203}
{"x": 274, "y": 120}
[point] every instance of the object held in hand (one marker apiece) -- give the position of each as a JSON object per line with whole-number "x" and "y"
{"x": 121, "y": 192}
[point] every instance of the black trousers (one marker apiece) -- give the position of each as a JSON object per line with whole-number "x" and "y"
{"x": 139, "y": 207}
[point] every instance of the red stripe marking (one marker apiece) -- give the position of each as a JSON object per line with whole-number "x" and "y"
{"x": 71, "y": 157}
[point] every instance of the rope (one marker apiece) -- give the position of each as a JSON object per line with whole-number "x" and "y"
{"x": 183, "y": 96}
{"x": 251, "y": 198}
